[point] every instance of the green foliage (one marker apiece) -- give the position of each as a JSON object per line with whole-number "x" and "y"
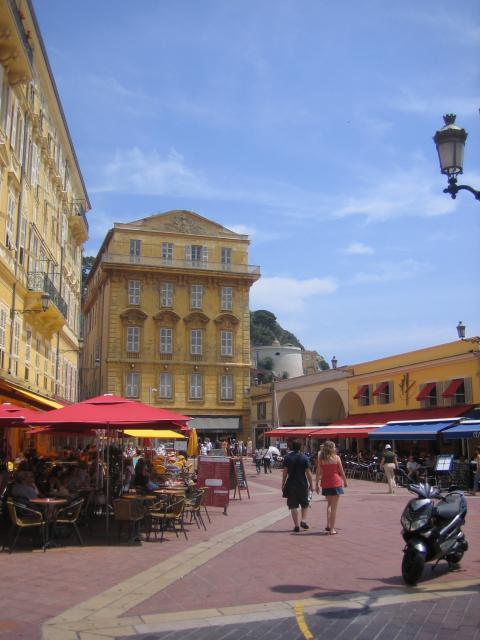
{"x": 323, "y": 364}
{"x": 264, "y": 329}
{"x": 87, "y": 264}
{"x": 266, "y": 363}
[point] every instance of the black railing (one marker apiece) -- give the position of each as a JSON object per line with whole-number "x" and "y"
{"x": 39, "y": 281}
{"x": 21, "y": 29}
{"x": 78, "y": 209}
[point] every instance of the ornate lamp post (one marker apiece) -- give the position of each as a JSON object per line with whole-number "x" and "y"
{"x": 450, "y": 143}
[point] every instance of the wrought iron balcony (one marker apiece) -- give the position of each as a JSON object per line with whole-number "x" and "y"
{"x": 39, "y": 281}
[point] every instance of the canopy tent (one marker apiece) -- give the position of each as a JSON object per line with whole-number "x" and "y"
{"x": 335, "y": 433}
{"x": 382, "y": 417}
{"x": 58, "y": 431}
{"x": 464, "y": 429}
{"x": 412, "y": 430}
{"x": 109, "y": 411}
{"x": 161, "y": 434}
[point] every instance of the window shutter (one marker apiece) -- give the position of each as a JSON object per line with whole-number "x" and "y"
{"x": 204, "y": 254}
{"x": 467, "y": 385}
{"x": 13, "y": 134}
{"x": 188, "y": 252}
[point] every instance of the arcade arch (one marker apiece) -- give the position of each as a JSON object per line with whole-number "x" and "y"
{"x": 328, "y": 407}
{"x": 291, "y": 410}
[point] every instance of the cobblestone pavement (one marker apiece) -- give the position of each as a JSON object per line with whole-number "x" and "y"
{"x": 247, "y": 571}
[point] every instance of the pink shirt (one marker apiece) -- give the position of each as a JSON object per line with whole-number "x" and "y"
{"x": 331, "y": 478}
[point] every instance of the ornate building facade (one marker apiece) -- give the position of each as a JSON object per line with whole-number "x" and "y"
{"x": 166, "y": 319}
{"x": 43, "y": 202}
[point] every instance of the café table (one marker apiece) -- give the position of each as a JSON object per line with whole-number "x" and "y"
{"x": 49, "y": 507}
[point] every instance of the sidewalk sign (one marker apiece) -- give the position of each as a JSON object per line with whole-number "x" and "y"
{"x": 214, "y": 474}
{"x": 238, "y": 478}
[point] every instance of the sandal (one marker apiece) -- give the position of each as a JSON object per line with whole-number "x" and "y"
{"x": 327, "y": 528}
{"x": 333, "y": 532}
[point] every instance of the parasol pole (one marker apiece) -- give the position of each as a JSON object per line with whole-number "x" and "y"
{"x": 107, "y": 497}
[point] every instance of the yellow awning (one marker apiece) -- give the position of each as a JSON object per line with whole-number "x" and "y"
{"x": 13, "y": 391}
{"x": 161, "y": 434}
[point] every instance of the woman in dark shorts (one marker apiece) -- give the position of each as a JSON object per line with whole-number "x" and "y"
{"x": 332, "y": 478}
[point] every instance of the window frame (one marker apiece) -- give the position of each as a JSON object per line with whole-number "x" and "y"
{"x": 133, "y": 339}
{"x": 226, "y": 298}
{"x": 130, "y": 385}
{"x": 226, "y": 387}
{"x": 196, "y": 387}
{"x": 166, "y": 340}
{"x": 134, "y": 290}
{"x": 196, "y": 342}
{"x": 196, "y": 296}
{"x": 165, "y": 389}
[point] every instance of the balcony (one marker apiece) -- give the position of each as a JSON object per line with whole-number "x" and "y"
{"x": 52, "y": 320}
{"x": 77, "y": 221}
{"x": 16, "y": 53}
{"x": 148, "y": 262}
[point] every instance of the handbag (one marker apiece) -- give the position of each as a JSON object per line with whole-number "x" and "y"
{"x": 285, "y": 489}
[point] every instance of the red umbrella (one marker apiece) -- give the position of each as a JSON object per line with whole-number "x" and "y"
{"x": 111, "y": 411}
{"x": 55, "y": 431}
{"x": 13, "y": 416}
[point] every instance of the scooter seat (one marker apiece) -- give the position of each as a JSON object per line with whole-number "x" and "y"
{"x": 453, "y": 504}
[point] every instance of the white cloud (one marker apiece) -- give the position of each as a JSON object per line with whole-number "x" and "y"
{"x": 256, "y": 235}
{"x": 358, "y": 248}
{"x": 392, "y": 272}
{"x": 288, "y": 295}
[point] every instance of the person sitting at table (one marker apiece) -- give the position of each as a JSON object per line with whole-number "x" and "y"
{"x": 412, "y": 468}
{"x": 24, "y": 487}
{"x": 52, "y": 483}
{"x": 142, "y": 477}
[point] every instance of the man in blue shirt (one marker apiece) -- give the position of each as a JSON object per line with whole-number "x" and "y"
{"x": 296, "y": 483}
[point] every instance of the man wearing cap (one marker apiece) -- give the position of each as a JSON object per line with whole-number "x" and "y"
{"x": 389, "y": 463}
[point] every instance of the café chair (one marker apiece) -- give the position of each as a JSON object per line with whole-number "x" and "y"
{"x": 130, "y": 511}
{"x": 171, "y": 516}
{"x": 69, "y": 515}
{"x": 23, "y": 517}
{"x": 193, "y": 505}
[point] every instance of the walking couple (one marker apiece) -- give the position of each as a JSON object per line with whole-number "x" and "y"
{"x": 297, "y": 482}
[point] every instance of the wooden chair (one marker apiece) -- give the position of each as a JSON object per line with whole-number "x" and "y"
{"x": 23, "y": 517}
{"x": 68, "y": 516}
{"x": 131, "y": 512}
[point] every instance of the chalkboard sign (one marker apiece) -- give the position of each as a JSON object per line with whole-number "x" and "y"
{"x": 239, "y": 477}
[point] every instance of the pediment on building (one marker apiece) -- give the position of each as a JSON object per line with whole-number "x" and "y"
{"x": 133, "y": 316}
{"x": 196, "y": 316}
{"x": 166, "y": 316}
{"x": 226, "y": 318}
{"x": 185, "y": 222}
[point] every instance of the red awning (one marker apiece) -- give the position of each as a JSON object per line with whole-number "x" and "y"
{"x": 362, "y": 390}
{"x": 289, "y": 433}
{"x": 426, "y": 391}
{"x": 342, "y": 432}
{"x": 452, "y": 388}
{"x": 382, "y": 417}
{"x": 382, "y": 387}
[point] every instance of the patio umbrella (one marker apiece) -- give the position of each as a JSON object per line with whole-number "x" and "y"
{"x": 55, "y": 431}
{"x": 192, "y": 446}
{"x": 161, "y": 434}
{"x": 12, "y": 415}
{"x": 109, "y": 411}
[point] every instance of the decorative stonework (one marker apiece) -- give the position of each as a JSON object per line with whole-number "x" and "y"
{"x": 181, "y": 223}
{"x": 166, "y": 316}
{"x": 196, "y": 316}
{"x": 133, "y": 316}
{"x": 226, "y": 319}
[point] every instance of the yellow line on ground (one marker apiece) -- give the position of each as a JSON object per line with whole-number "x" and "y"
{"x": 301, "y": 622}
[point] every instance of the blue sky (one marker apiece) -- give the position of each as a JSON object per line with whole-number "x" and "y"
{"x": 306, "y": 124}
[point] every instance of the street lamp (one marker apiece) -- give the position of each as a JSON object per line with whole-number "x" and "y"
{"x": 45, "y": 300}
{"x": 450, "y": 143}
{"x": 334, "y": 362}
{"x": 461, "y": 330}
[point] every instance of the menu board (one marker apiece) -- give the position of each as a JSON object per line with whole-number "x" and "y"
{"x": 238, "y": 477}
{"x": 214, "y": 474}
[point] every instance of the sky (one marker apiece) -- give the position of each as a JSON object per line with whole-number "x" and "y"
{"x": 305, "y": 124}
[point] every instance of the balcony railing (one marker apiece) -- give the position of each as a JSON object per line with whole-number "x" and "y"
{"x": 21, "y": 29}
{"x": 152, "y": 261}
{"x": 78, "y": 209}
{"x": 39, "y": 281}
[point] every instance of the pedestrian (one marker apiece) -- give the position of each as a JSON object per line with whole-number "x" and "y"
{"x": 389, "y": 463}
{"x": 257, "y": 456}
{"x": 296, "y": 483}
{"x": 267, "y": 460}
{"x": 331, "y": 477}
{"x": 476, "y": 476}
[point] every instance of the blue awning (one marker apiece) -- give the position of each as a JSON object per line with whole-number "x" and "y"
{"x": 414, "y": 430}
{"x": 466, "y": 429}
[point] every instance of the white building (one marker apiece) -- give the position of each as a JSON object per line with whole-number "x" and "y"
{"x": 287, "y": 359}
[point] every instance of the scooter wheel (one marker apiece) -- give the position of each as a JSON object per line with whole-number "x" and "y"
{"x": 455, "y": 558}
{"x": 412, "y": 566}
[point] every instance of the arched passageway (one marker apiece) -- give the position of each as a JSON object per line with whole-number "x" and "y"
{"x": 291, "y": 410}
{"x": 328, "y": 407}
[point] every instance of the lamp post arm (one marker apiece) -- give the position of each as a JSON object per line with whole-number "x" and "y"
{"x": 453, "y": 188}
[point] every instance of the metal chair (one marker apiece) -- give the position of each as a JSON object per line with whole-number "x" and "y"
{"x": 68, "y": 516}
{"x": 169, "y": 517}
{"x": 23, "y": 517}
{"x": 193, "y": 505}
{"x": 130, "y": 511}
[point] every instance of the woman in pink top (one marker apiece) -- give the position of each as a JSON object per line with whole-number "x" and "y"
{"x": 332, "y": 478}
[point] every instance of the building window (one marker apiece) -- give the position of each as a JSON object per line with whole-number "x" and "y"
{"x": 46, "y": 364}
{"x": 133, "y": 339}
{"x": 226, "y": 298}
{"x": 15, "y": 347}
{"x": 28, "y": 351}
{"x": 166, "y": 294}
{"x": 226, "y": 258}
{"x": 167, "y": 252}
{"x": 456, "y": 391}
{"x": 196, "y": 386}
{"x": 135, "y": 247}
{"x": 196, "y": 342}
{"x": 196, "y": 254}
{"x": 166, "y": 340}
{"x": 262, "y": 411}
{"x": 132, "y": 384}
{"x": 9, "y": 235}
{"x": 196, "y": 296}
{"x": 226, "y": 343}
{"x": 364, "y": 395}
{"x": 134, "y": 292}
{"x": 384, "y": 393}
{"x": 37, "y": 361}
{"x": 226, "y": 387}
{"x": 3, "y": 334}
{"x": 165, "y": 388}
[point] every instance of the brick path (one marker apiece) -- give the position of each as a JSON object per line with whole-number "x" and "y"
{"x": 250, "y": 558}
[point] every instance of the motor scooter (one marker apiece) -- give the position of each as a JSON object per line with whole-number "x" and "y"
{"x": 432, "y": 529}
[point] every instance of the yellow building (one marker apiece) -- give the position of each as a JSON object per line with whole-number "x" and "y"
{"x": 166, "y": 319}
{"x": 43, "y": 202}
{"x": 261, "y": 411}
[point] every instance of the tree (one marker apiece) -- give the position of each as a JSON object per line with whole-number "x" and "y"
{"x": 87, "y": 264}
